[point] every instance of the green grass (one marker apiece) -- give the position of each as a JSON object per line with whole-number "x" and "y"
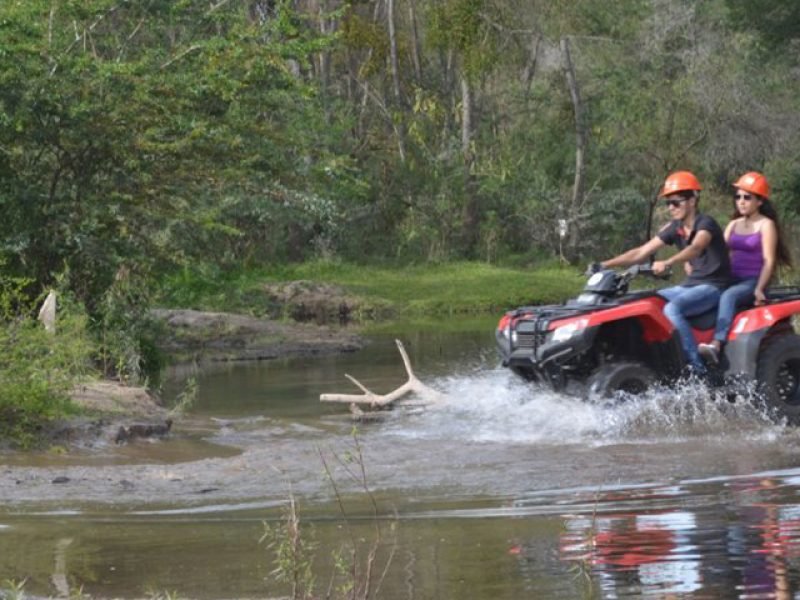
{"x": 413, "y": 291}
{"x": 465, "y": 287}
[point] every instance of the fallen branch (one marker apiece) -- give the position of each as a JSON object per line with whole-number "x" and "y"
{"x": 382, "y": 401}
{"x": 181, "y": 54}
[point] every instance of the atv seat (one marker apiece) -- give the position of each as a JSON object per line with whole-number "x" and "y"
{"x": 706, "y": 320}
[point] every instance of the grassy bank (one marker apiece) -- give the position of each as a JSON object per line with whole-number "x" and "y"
{"x": 408, "y": 291}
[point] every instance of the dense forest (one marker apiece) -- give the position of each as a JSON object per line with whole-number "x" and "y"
{"x": 143, "y": 137}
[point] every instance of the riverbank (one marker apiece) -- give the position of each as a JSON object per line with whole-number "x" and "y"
{"x": 110, "y": 410}
{"x": 305, "y": 310}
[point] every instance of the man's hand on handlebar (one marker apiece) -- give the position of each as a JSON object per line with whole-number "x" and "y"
{"x": 660, "y": 267}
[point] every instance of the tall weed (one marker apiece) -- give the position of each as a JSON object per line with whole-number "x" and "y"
{"x": 127, "y": 333}
{"x": 360, "y": 565}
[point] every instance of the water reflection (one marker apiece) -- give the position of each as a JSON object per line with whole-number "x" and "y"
{"x": 747, "y": 547}
{"x": 764, "y": 539}
{"x": 718, "y": 538}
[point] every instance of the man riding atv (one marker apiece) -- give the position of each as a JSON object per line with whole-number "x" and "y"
{"x": 701, "y": 243}
{"x": 611, "y": 339}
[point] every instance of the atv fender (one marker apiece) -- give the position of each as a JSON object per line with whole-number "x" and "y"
{"x": 762, "y": 318}
{"x": 557, "y": 353}
{"x": 648, "y": 311}
{"x": 741, "y": 355}
{"x": 746, "y": 338}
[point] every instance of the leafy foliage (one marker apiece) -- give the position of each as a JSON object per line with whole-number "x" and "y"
{"x": 777, "y": 21}
{"x": 123, "y": 125}
{"x": 38, "y": 368}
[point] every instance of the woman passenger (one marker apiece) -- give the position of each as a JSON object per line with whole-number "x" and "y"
{"x": 756, "y": 248}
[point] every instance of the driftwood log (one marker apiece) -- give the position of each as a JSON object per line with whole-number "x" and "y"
{"x": 374, "y": 401}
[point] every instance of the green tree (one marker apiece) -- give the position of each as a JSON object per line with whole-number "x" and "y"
{"x": 776, "y": 21}
{"x": 124, "y": 126}
{"x": 134, "y": 136}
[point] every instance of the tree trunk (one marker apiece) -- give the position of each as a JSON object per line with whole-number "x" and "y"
{"x": 393, "y": 50}
{"x": 324, "y": 56}
{"x": 530, "y": 65}
{"x": 581, "y": 142}
{"x": 471, "y": 217}
{"x": 466, "y": 119}
{"x": 415, "y": 51}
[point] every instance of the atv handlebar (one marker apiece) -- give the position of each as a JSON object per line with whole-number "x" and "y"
{"x": 646, "y": 269}
{"x": 612, "y": 283}
{"x": 631, "y": 272}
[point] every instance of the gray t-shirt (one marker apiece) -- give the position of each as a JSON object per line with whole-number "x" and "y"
{"x": 710, "y": 266}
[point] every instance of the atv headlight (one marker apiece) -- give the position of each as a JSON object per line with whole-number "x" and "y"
{"x": 565, "y": 332}
{"x": 509, "y": 335}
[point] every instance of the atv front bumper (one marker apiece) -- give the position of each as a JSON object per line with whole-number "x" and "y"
{"x": 543, "y": 356}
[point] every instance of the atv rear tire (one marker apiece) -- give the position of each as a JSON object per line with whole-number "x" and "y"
{"x": 627, "y": 377}
{"x": 778, "y": 374}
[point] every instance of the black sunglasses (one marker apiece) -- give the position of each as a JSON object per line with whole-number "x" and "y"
{"x": 675, "y": 203}
{"x": 742, "y": 196}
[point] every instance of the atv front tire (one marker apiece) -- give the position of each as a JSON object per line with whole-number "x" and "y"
{"x": 628, "y": 377}
{"x": 778, "y": 374}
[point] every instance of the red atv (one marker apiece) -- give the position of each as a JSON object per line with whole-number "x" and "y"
{"x": 610, "y": 339}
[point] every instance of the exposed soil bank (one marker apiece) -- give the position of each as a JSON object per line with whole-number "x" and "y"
{"x": 309, "y": 301}
{"x": 117, "y": 399}
{"x": 110, "y": 407}
{"x": 214, "y": 336}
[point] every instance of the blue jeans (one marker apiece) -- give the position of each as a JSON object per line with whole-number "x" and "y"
{"x": 739, "y": 294}
{"x": 683, "y": 302}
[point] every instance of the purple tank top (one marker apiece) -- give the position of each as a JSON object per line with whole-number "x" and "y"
{"x": 747, "y": 257}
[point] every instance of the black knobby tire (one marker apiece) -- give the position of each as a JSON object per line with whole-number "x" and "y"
{"x": 626, "y": 377}
{"x": 778, "y": 374}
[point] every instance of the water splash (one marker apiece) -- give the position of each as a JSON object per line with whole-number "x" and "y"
{"x": 495, "y": 406}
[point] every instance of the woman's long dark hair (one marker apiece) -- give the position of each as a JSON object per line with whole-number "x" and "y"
{"x": 766, "y": 209}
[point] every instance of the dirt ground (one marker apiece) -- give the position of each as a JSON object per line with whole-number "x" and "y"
{"x": 113, "y": 398}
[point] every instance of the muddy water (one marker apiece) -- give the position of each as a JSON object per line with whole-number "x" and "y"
{"x": 501, "y": 491}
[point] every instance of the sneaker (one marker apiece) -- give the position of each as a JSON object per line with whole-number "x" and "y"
{"x": 709, "y": 353}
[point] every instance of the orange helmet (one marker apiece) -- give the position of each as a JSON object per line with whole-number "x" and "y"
{"x": 753, "y": 182}
{"x": 680, "y": 181}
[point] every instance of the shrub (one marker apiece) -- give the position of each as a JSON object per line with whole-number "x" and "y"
{"x": 37, "y": 368}
{"x": 126, "y": 331}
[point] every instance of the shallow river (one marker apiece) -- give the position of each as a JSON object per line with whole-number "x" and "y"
{"x": 500, "y": 491}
